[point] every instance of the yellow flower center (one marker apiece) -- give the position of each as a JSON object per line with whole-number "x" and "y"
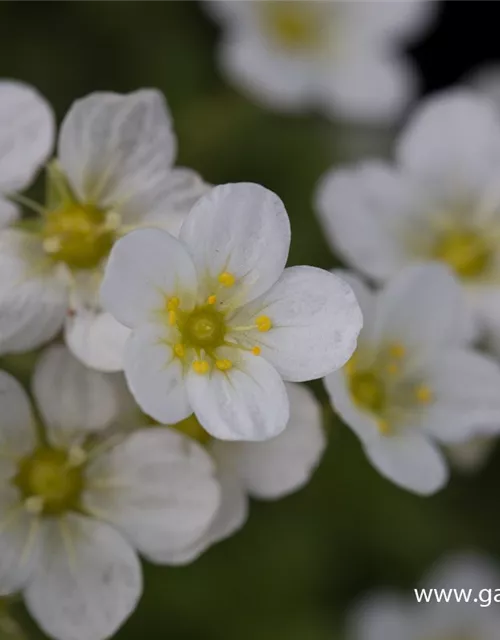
{"x": 202, "y": 328}
{"x": 79, "y": 235}
{"x": 368, "y": 391}
{"x": 48, "y": 478}
{"x": 292, "y": 24}
{"x": 192, "y": 428}
{"x": 465, "y": 251}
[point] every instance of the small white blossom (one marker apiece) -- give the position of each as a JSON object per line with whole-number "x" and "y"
{"x": 440, "y": 201}
{"x": 344, "y": 58}
{"x": 114, "y": 173}
{"x": 217, "y": 321}
{"x": 471, "y": 456}
{"x": 392, "y": 616}
{"x": 26, "y": 138}
{"x": 264, "y": 470}
{"x": 414, "y": 381}
{"x": 75, "y": 507}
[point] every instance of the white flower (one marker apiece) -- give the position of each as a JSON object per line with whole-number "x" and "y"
{"x": 469, "y": 457}
{"x": 391, "y": 616}
{"x": 114, "y": 173}
{"x": 342, "y": 57}
{"x": 74, "y": 507}
{"x": 440, "y": 202}
{"x": 218, "y": 324}
{"x": 26, "y": 137}
{"x": 264, "y": 470}
{"x": 413, "y": 380}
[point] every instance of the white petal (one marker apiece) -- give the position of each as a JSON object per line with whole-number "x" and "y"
{"x": 466, "y": 390}
{"x": 144, "y": 268}
{"x": 364, "y": 212}
{"x": 89, "y": 581}
{"x": 452, "y": 141}
{"x": 155, "y": 376}
{"x": 277, "y": 467}
{"x": 170, "y": 203}
{"x": 9, "y": 213}
{"x": 71, "y": 398}
{"x": 368, "y": 85}
{"x": 383, "y": 616}
{"x": 158, "y": 487}
{"x": 230, "y": 516}
{"x": 26, "y": 134}
{"x": 315, "y": 323}
{"x": 17, "y": 428}
{"x": 423, "y": 308}
{"x": 115, "y": 147}
{"x": 410, "y": 461}
{"x": 96, "y": 339}
{"x": 248, "y": 402}
{"x": 19, "y": 542}
{"x": 242, "y": 229}
{"x": 33, "y": 299}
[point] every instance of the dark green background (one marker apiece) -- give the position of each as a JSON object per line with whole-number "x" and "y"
{"x": 299, "y": 564}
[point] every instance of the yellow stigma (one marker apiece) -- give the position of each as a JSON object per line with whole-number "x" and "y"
{"x": 78, "y": 235}
{"x": 192, "y": 428}
{"x": 397, "y": 350}
{"x": 224, "y": 365}
{"x": 368, "y": 391}
{"x": 226, "y": 279}
{"x": 423, "y": 394}
{"x": 211, "y": 299}
{"x": 201, "y": 366}
{"x": 50, "y": 481}
{"x": 294, "y": 25}
{"x": 384, "y": 427}
{"x": 179, "y": 350}
{"x": 465, "y": 251}
{"x": 263, "y": 323}
{"x": 256, "y": 351}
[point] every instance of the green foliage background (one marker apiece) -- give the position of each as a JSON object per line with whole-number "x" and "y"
{"x": 299, "y": 564}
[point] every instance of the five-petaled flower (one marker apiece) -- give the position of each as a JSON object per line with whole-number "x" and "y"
{"x": 75, "y": 504}
{"x": 414, "y": 380}
{"x": 218, "y": 324}
{"x": 114, "y": 172}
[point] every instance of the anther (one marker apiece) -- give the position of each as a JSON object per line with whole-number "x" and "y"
{"x": 256, "y": 351}
{"x": 76, "y": 457}
{"x": 423, "y": 394}
{"x": 52, "y": 244}
{"x": 211, "y": 299}
{"x": 200, "y": 366}
{"x": 224, "y": 365}
{"x": 383, "y": 427}
{"x": 397, "y": 350}
{"x": 392, "y": 368}
{"x": 34, "y": 505}
{"x": 226, "y": 279}
{"x": 263, "y": 323}
{"x": 173, "y": 303}
{"x": 112, "y": 220}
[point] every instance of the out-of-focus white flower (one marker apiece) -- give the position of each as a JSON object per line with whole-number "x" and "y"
{"x": 264, "y": 470}
{"x": 26, "y": 138}
{"x": 114, "y": 173}
{"x": 469, "y": 457}
{"x": 392, "y": 616}
{"x": 217, "y": 321}
{"x": 342, "y": 57}
{"x": 413, "y": 379}
{"x": 440, "y": 202}
{"x": 486, "y": 80}
{"x": 74, "y": 507}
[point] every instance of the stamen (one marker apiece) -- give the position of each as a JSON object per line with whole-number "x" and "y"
{"x": 179, "y": 350}
{"x": 226, "y": 279}
{"x": 172, "y": 318}
{"x": 173, "y": 303}
{"x": 34, "y": 505}
{"x": 200, "y": 366}
{"x": 256, "y": 351}
{"x": 397, "y": 350}
{"x": 211, "y": 299}
{"x": 392, "y": 368}
{"x": 263, "y": 323}
{"x": 76, "y": 457}
{"x": 112, "y": 220}
{"x": 424, "y": 394}
{"x": 224, "y": 365}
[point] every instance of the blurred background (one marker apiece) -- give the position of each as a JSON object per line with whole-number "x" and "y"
{"x": 299, "y": 564}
